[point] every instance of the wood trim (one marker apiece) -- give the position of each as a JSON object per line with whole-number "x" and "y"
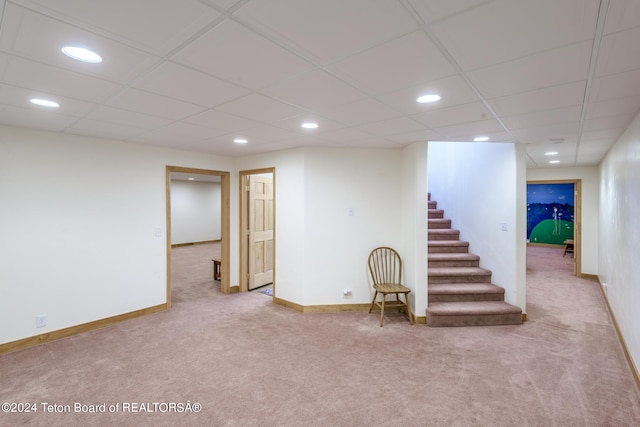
{"x": 335, "y": 308}
{"x": 225, "y": 190}
{"x": 625, "y": 348}
{"x": 77, "y": 329}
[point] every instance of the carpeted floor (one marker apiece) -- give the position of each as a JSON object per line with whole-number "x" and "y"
{"x": 249, "y": 362}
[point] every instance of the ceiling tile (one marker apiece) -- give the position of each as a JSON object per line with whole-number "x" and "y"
{"x": 153, "y": 104}
{"x": 90, "y": 127}
{"x": 32, "y": 35}
{"x": 544, "y": 118}
{"x": 49, "y": 79}
{"x": 105, "y": 114}
{"x": 402, "y": 62}
{"x": 260, "y": 108}
{"x": 223, "y": 121}
{"x": 127, "y": 21}
{"x": 328, "y": 29}
{"x": 619, "y": 52}
{"x": 469, "y": 130}
{"x": 622, "y": 15}
{"x": 362, "y": 111}
{"x": 392, "y": 126}
{"x": 565, "y": 65}
{"x": 544, "y": 134}
{"x": 471, "y": 112}
{"x": 628, "y": 105}
{"x": 316, "y": 91}
{"x": 236, "y": 54}
{"x": 454, "y": 91}
{"x": 36, "y": 118}
{"x": 615, "y": 86}
{"x": 179, "y": 82}
{"x": 19, "y": 97}
{"x": 541, "y": 99}
{"x": 513, "y": 29}
{"x": 434, "y": 10}
{"x": 619, "y": 122}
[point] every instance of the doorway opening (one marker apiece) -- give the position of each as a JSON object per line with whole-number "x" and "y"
{"x": 554, "y": 212}
{"x": 257, "y": 229}
{"x": 224, "y": 179}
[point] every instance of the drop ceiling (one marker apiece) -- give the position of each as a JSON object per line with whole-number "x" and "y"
{"x": 555, "y": 75}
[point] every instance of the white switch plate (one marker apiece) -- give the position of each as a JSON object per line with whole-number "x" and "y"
{"x": 41, "y": 320}
{"x": 504, "y": 226}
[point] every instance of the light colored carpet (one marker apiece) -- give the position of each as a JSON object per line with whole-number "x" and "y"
{"x": 249, "y": 362}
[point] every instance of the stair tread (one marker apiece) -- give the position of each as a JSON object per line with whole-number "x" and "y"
{"x": 446, "y": 256}
{"x": 462, "y": 308}
{"x": 464, "y": 288}
{"x": 449, "y": 242}
{"x": 456, "y": 271}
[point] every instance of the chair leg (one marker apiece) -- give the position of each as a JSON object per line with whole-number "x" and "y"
{"x": 373, "y": 301}
{"x": 382, "y": 309}
{"x": 408, "y": 306}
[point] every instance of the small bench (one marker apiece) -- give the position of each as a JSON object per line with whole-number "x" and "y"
{"x": 216, "y": 268}
{"x": 568, "y": 247}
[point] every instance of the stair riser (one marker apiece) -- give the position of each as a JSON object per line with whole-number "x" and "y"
{"x": 462, "y": 278}
{"x": 432, "y": 204}
{"x": 448, "y": 249}
{"x": 451, "y": 235}
{"x": 474, "y": 320}
{"x": 435, "y": 213}
{"x": 465, "y": 297}
{"x": 439, "y": 225}
{"x": 453, "y": 264}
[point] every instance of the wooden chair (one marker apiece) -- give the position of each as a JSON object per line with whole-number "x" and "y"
{"x": 385, "y": 266}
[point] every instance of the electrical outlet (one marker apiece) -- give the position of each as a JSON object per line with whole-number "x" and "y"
{"x": 504, "y": 226}
{"x": 347, "y": 293}
{"x": 41, "y": 320}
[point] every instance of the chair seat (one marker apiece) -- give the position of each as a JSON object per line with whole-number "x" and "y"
{"x": 391, "y": 288}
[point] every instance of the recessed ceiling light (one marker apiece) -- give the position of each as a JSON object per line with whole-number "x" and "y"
{"x": 44, "y": 103}
{"x": 240, "y": 141}
{"x": 554, "y": 161}
{"x": 551, "y": 153}
{"x": 309, "y": 125}
{"x": 191, "y": 179}
{"x": 82, "y": 54}
{"x": 481, "y": 139}
{"x": 428, "y": 98}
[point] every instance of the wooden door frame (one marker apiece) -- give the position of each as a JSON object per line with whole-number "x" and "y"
{"x": 577, "y": 214}
{"x": 224, "y": 226}
{"x": 243, "y": 224}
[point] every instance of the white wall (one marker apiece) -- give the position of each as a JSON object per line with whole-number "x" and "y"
{"x": 590, "y": 198}
{"x": 290, "y": 218}
{"x": 414, "y": 224}
{"x": 336, "y": 244}
{"x": 619, "y": 233}
{"x": 477, "y": 185}
{"x": 78, "y": 223}
{"x": 321, "y": 249}
{"x": 195, "y": 211}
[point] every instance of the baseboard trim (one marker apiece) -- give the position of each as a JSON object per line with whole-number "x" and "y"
{"x": 335, "y": 308}
{"x": 78, "y": 329}
{"x": 625, "y": 347}
{"x": 204, "y": 242}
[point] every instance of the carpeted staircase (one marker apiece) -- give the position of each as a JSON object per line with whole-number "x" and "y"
{"x": 460, "y": 292}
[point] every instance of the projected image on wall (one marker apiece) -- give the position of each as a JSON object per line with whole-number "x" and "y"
{"x": 550, "y": 213}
